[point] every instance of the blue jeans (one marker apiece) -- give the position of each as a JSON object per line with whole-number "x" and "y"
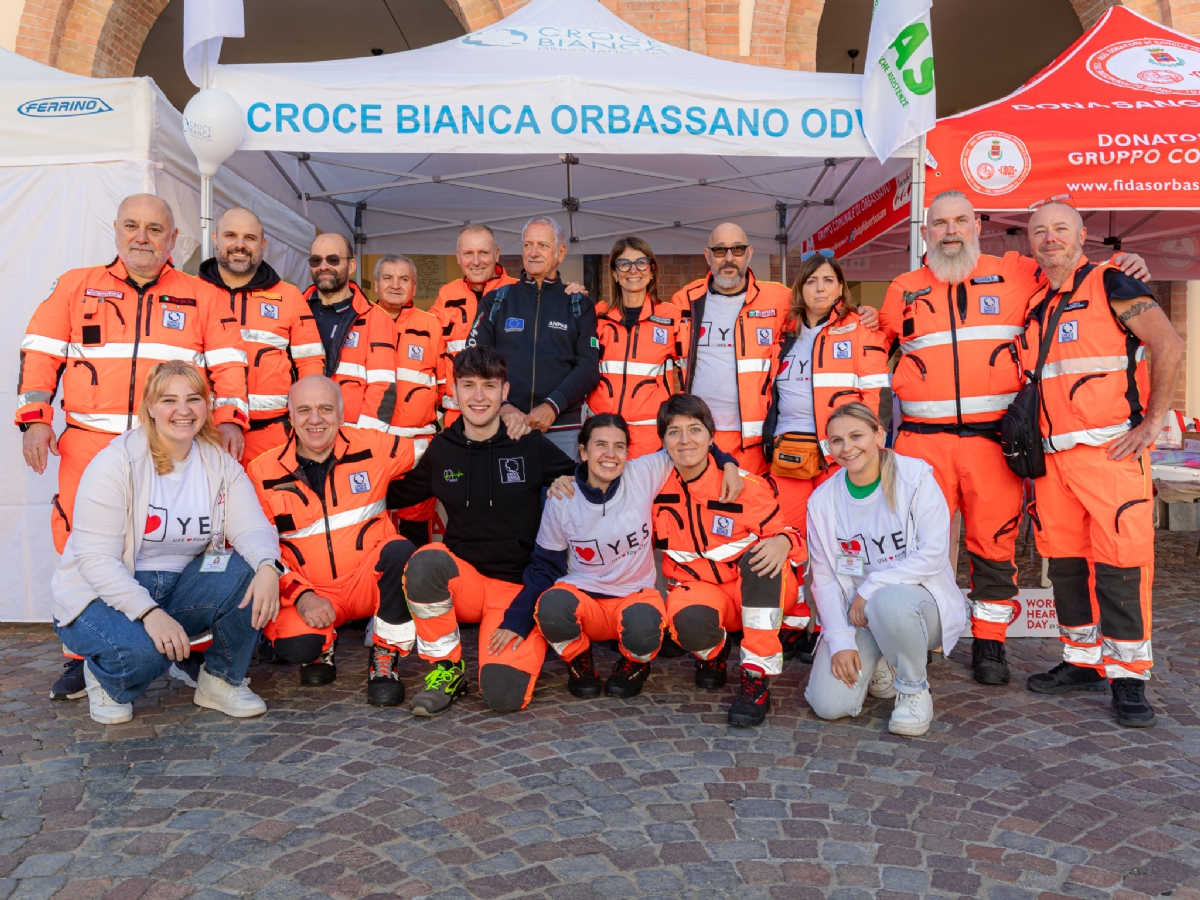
{"x": 123, "y": 657}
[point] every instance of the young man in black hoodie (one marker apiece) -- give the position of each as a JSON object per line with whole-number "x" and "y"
{"x": 281, "y": 338}
{"x": 491, "y": 487}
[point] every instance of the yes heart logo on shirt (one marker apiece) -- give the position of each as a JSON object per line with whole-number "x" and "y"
{"x": 587, "y": 553}
{"x": 156, "y": 524}
{"x": 153, "y": 523}
{"x": 851, "y": 546}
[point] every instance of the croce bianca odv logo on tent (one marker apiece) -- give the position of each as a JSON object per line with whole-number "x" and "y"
{"x": 562, "y": 37}
{"x": 1163, "y": 67}
{"x": 63, "y": 107}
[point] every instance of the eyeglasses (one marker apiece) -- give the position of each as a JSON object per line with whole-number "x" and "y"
{"x": 738, "y": 251}
{"x": 624, "y": 265}
{"x": 333, "y": 260}
{"x": 1057, "y": 198}
{"x": 827, "y": 253}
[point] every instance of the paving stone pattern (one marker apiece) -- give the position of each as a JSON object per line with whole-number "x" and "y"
{"x": 1011, "y": 796}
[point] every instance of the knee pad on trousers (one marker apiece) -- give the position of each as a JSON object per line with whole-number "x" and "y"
{"x": 758, "y": 590}
{"x": 428, "y": 575}
{"x": 392, "y": 559}
{"x": 1119, "y": 594}
{"x": 992, "y": 579}
{"x": 300, "y": 648}
{"x": 556, "y": 615}
{"x": 1072, "y": 600}
{"x": 698, "y": 628}
{"x": 641, "y": 629}
{"x": 503, "y": 687}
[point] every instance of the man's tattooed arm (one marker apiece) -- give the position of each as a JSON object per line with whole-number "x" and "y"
{"x": 1137, "y": 309}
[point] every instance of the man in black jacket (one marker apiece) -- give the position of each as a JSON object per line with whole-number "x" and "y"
{"x": 548, "y": 338}
{"x": 491, "y": 487}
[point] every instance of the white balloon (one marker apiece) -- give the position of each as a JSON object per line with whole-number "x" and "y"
{"x": 213, "y": 126}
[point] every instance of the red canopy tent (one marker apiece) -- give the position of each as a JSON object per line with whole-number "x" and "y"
{"x": 1113, "y": 122}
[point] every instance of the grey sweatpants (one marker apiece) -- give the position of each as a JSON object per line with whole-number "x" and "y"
{"x": 902, "y": 625}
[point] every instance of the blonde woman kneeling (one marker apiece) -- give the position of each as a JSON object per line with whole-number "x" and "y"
{"x": 878, "y": 534}
{"x": 145, "y": 570}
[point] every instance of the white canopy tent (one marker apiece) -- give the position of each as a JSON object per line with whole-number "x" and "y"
{"x": 70, "y": 148}
{"x": 561, "y": 108}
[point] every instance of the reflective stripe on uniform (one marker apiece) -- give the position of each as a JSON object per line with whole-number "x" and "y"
{"x": 771, "y": 665}
{"x": 1082, "y": 645}
{"x": 795, "y": 621}
{"x": 764, "y": 618}
{"x": 644, "y": 422}
{"x": 934, "y": 409}
{"x": 618, "y": 367}
{"x": 443, "y": 646}
{"x": 561, "y": 646}
{"x": 1088, "y": 634}
{"x": 338, "y": 521}
{"x": 716, "y": 554}
{"x": 420, "y": 445}
{"x": 1086, "y": 365}
{"x": 303, "y": 351}
{"x": 402, "y": 636}
{"x": 869, "y": 382}
{"x": 456, "y": 346}
{"x": 752, "y": 429}
{"x": 753, "y": 365}
{"x": 1000, "y": 613}
{"x": 351, "y": 370}
{"x": 1127, "y": 651}
{"x": 33, "y": 397}
{"x": 265, "y": 402}
{"x": 449, "y": 402}
{"x": 415, "y": 377}
{"x": 1090, "y": 437}
{"x": 237, "y": 402}
{"x": 974, "y": 333}
{"x": 257, "y": 336}
{"x": 42, "y": 344}
{"x": 146, "y": 350}
{"x": 834, "y": 379}
{"x": 104, "y": 422}
{"x": 431, "y": 610}
{"x": 375, "y": 376}
{"x": 221, "y": 356}
{"x": 365, "y": 421}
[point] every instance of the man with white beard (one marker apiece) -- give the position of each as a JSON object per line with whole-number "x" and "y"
{"x": 955, "y": 319}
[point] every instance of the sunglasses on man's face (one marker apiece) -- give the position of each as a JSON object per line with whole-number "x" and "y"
{"x": 805, "y": 257}
{"x": 642, "y": 264}
{"x": 738, "y": 251}
{"x": 332, "y": 260}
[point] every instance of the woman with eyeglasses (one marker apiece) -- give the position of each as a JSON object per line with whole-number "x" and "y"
{"x": 828, "y": 357}
{"x": 642, "y": 340}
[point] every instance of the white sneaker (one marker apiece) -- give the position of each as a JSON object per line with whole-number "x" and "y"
{"x": 913, "y": 714}
{"x": 881, "y": 684}
{"x": 239, "y": 702}
{"x": 103, "y": 708}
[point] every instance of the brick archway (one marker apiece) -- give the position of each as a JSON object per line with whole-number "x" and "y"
{"x": 100, "y": 38}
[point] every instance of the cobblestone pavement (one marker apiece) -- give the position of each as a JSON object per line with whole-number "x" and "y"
{"x": 1011, "y": 796}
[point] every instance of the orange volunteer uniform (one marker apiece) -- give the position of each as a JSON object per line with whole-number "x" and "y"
{"x": 362, "y": 357}
{"x": 713, "y": 590}
{"x": 456, "y": 307}
{"x": 1094, "y": 516}
{"x": 730, "y": 360}
{"x": 100, "y": 333}
{"x": 637, "y": 367}
{"x": 956, "y": 376}
{"x": 839, "y": 362}
{"x": 281, "y": 344}
{"x": 337, "y": 540}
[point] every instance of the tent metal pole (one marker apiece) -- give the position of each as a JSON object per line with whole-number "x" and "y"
{"x": 206, "y": 198}
{"x": 781, "y": 237}
{"x": 916, "y": 250}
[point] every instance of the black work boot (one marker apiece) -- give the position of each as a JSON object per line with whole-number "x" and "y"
{"x": 582, "y": 680}
{"x": 990, "y": 661}
{"x": 627, "y": 678}
{"x": 1130, "y": 704}
{"x": 1066, "y": 677}
{"x": 320, "y": 672}
{"x": 383, "y": 681}
{"x": 799, "y": 643}
{"x": 753, "y": 700}
{"x": 710, "y": 673}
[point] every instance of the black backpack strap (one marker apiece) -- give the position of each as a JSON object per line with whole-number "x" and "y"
{"x": 1051, "y": 326}
{"x": 497, "y": 299}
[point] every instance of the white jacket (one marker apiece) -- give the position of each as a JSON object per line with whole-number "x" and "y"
{"x": 926, "y": 535}
{"x": 110, "y": 523}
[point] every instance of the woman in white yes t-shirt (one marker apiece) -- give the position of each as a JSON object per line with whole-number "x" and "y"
{"x": 146, "y": 570}
{"x": 878, "y": 534}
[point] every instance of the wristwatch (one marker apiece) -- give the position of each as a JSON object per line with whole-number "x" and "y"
{"x": 280, "y": 568}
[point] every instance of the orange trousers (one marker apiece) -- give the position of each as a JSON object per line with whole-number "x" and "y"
{"x": 700, "y": 616}
{"x": 443, "y": 590}
{"x": 750, "y": 459}
{"x": 374, "y": 589}
{"x": 1094, "y": 522}
{"x": 570, "y": 620}
{"x": 975, "y": 479}
{"x": 260, "y": 440}
{"x": 76, "y": 448}
{"x": 793, "y": 494}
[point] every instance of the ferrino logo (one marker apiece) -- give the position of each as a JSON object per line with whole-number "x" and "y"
{"x": 63, "y": 107}
{"x": 560, "y": 37}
